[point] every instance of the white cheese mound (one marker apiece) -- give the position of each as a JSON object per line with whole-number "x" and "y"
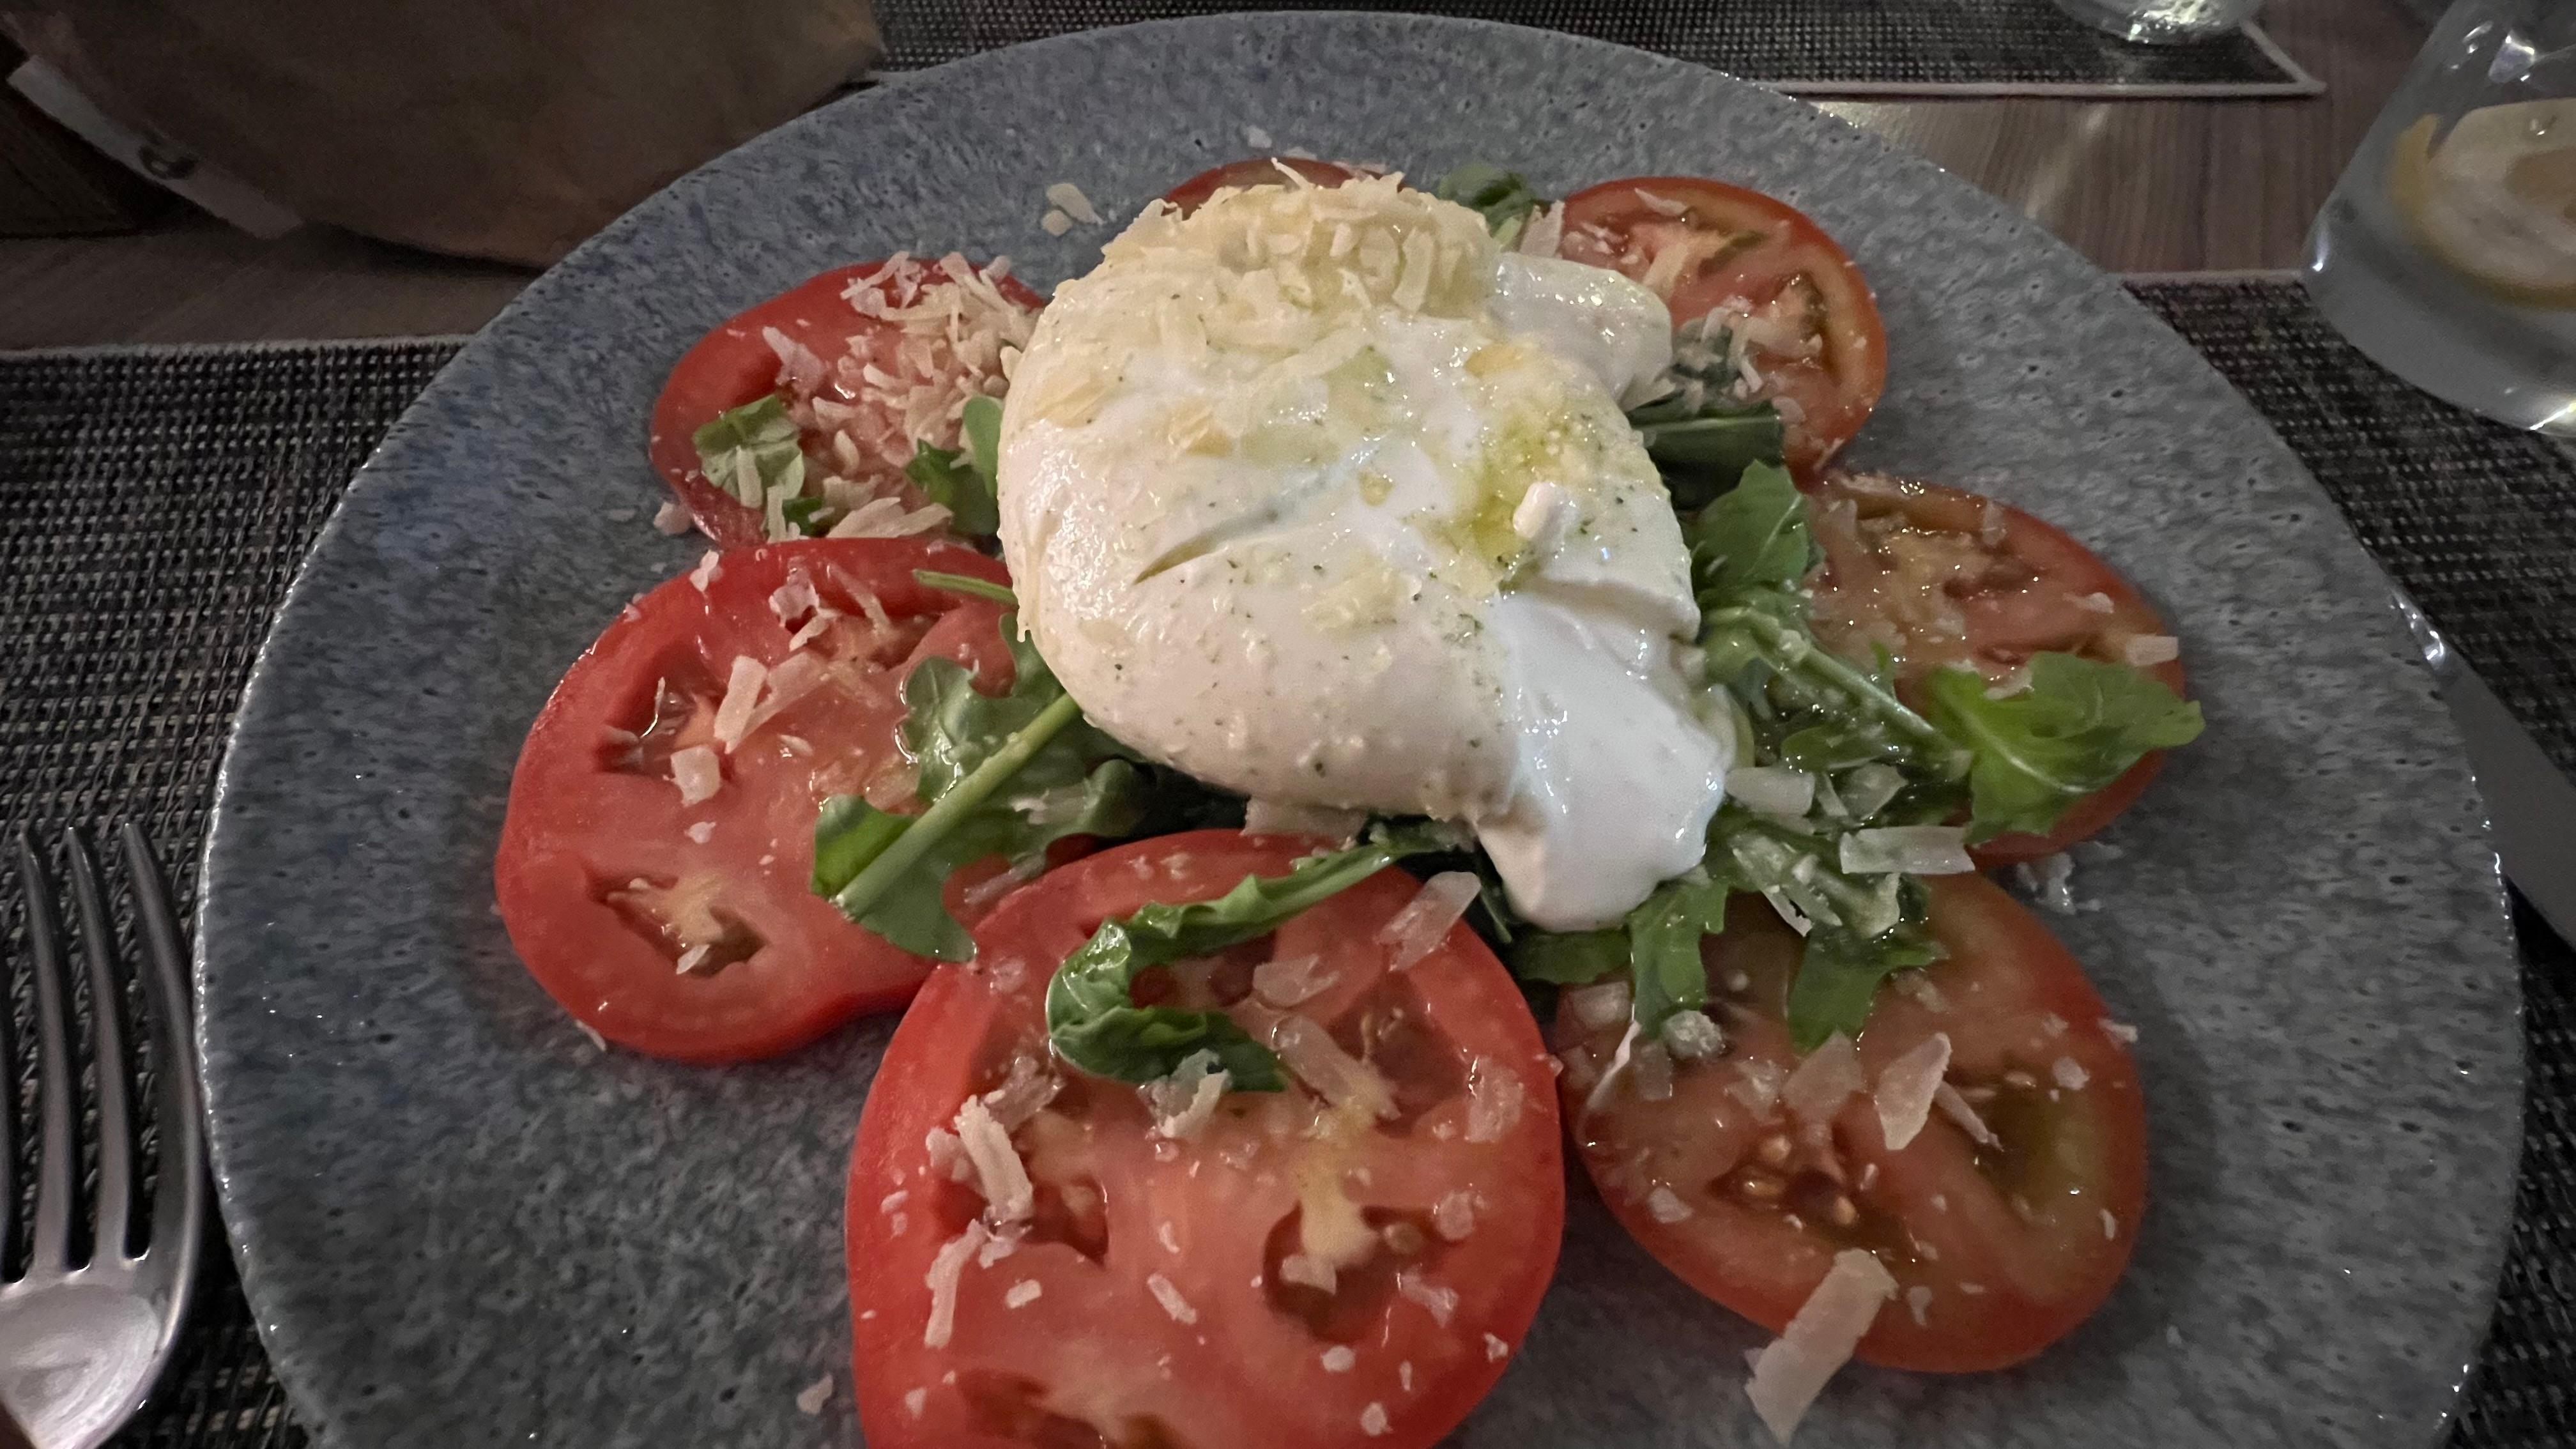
{"x": 1793, "y": 1368}
{"x": 1829, "y": 1076}
{"x": 1003, "y": 1179}
{"x": 1418, "y": 929}
{"x": 1906, "y": 1089}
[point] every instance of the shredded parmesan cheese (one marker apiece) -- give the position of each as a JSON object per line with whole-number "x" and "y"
{"x": 671, "y": 518}
{"x": 1494, "y": 1101}
{"x": 1339, "y": 1358}
{"x": 1308, "y": 1271}
{"x": 1023, "y": 1293}
{"x": 709, "y": 569}
{"x": 1829, "y": 1076}
{"x": 811, "y": 1399}
{"x": 946, "y": 1269}
{"x": 1068, "y": 198}
{"x": 2145, "y": 650}
{"x": 2069, "y": 1073}
{"x": 1291, "y": 980}
{"x": 1454, "y": 1216}
{"x": 1171, "y": 1299}
{"x": 1183, "y": 1102}
{"x": 1956, "y": 1108}
{"x": 1373, "y": 1419}
{"x": 1415, "y": 931}
{"x": 1008, "y": 1196}
{"x": 2119, "y": 1031}
{"x": 1793, "y": 1369}
{"x": 697, "y": 773}
{"x": 742, "y": 692}
{"x": 1906, "y": 1089}
{"x": 1436, "y": 1300}
{"x": 1666, "y": 1205}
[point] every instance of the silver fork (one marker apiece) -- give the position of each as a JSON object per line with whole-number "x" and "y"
{"x": 80, "y": 1345}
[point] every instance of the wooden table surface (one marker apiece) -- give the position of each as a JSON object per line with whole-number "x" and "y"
{"x": 2137, "y": 185}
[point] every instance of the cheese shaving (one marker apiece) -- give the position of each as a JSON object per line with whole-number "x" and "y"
{"x": 742, "y": 692}
{"x": 1829, "y": 1076}
{"x": 1956, "y": 1108}
{"x": 1495, "y": 1098}
{"x": 1905, "y": 1090}
{"x": 697, "y": 773}
{"x": 1436, "y": 1300}
{"x": 946, "y": 1269}
{"x": 1183, "y": 1102}
{"x": 1171, "y": 1299}
{"x": 1425, "y": 921}
{"x": 1292, "y": 980}
{"x": 1008, "y": 1196}
{"x": 1793, "y": 1369}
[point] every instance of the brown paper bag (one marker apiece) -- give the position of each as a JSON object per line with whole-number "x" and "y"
{"x": 508, "y": 129}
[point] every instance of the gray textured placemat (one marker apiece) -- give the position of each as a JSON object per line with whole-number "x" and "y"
{"x": 1818, "y": 47}
{"x": 154, "y": 503}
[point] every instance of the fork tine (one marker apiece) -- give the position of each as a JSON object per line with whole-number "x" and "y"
{"x": 115, "y": 1198}
{"x": 179, "y": 1198}
{"x": 57, "y": 1152}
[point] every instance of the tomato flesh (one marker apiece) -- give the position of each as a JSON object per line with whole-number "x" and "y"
{"x": 1164, "y": 1309}
{"x": 610, "y": 882}
{"x": 1726, "y": 259}
{"x": 1257, "y": 171}
{"x": 1997, "y": 1250}
{"x": 735, "y": 363}
{"x": 1937, "y": 577}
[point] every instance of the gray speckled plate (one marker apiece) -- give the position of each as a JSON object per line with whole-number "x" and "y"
{"x": 460, "y": 1225}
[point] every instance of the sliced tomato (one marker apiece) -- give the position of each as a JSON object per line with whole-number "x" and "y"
{"x": 1258, "y": 171}
{"x": 1753, "y": 265}
{"x": 736, "y": 364}
{"x": 1146, "y": 1299}
{"x": 1998, "y": 1249}
{"x": 688, "y": 930}
{"x": 1936, "y": 577}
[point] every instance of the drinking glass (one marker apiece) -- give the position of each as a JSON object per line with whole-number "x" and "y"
{"x": 2448, "y": 250}
{"x": 2163, "y": 22}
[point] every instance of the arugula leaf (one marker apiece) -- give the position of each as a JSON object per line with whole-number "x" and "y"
{"x": 1570, "y": 958}
{"x": 1004, "y": 775}
{"x": 1703, "y": 454}
{"x": 1839, "y": 975}
{"x": 1503, "y": 197}
{"x": 968, "y": 585}
{"x": 1095, "y": 1023}
{"x": 1751, "y": 539}
{"x": 806, "y": 514}
{"x": 1666, "y": 975}
{"x": 955, "y": 486}
{"x": 758, "y": 434}
{"x": 2078, "y": 726}
{"x": 980, "y": 425}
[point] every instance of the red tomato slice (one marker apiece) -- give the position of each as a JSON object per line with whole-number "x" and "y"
{"x": 1154, "y": 1304}
{"x": 608, "y": 881}
{"x": 1765, "y": 270}
{"x": 2003, "y": 1248}
{"x": 735, "y": 364}
{"x": 1258, "y": 171}
{"x": 1938, "y": 577}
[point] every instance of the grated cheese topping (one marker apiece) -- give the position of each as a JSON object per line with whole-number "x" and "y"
{"x": 1004, "y": 1180}
{"x": 946, "y": 1269}
{"x": 1418, "y": 929}
{"x": 1171, "y": 1299}
{"x": 697, "y": 773}
{"x": 1794, "y": 1368}
{"x": 1905, "y": 1090}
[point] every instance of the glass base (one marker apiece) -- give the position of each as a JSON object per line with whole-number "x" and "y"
{"x": 2163, "y": 22}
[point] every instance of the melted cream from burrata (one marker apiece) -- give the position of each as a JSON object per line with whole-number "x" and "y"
{"x": 1317, "y": 495}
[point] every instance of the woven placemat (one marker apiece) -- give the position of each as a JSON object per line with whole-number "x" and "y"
{"x": 1813, "y": 47}
{"x": 154, "y": 502}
